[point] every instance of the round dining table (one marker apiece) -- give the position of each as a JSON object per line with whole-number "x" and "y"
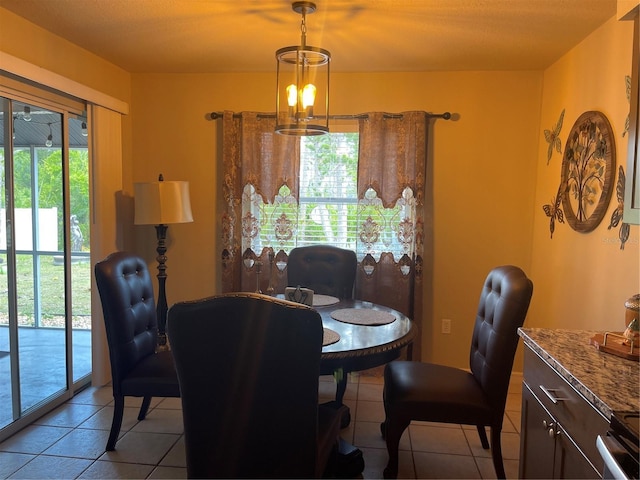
{"x": 368, "y": 335}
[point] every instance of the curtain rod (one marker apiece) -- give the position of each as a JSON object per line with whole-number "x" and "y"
{"x": 445, "y": 116}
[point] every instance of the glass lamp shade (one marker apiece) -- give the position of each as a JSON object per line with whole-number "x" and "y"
{"x": 162, "y": 203}
{"x": 302, "y": 95}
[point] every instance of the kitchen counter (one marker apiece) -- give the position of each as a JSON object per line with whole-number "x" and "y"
{"x": 606, "y": 381}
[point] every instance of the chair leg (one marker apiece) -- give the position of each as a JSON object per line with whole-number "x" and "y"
{"x": 144, "y": 408}
{"x": 116, "y": 423}
{"x": 392, "y": 432}
{"x": 483, "y": 437}
{"x": 496, "y": 452}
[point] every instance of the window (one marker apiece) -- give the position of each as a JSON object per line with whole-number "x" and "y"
{"x": 327, "y": 209}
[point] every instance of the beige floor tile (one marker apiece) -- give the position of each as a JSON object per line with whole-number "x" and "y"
{"x": 438, "y": 440}
{"x": 375, "y": 460}
{"x": 103, "y": 418}
{"x": 68, "y": 415}
{"x": 170, "y": 404}
{"x": 473, "y": 439}
{"x": 94, "y": 396}
{"x": 438, "y": 465}
{"x": 514, "y": 402}
{"x": 143, "y": 448}
{"x": 168, "y": 473}
{"x": 135, "y": 402}
{"x": 485, "y": 465}
{"x": 367, "y": 434}
{"x": 34, "y": 439}
{"x": 515, "y": 418}
{"x": 370, "y": 392}
{"x": 102, "y": 470}
{"x": 176, "y": 456}
{"x": 80, "y": 443}
{"x": 154, "y": 448}
{"x": 510, "y": 446}
{"x": 369, "y": 411}
{"x": 161, "y": 421}
{"x": 45, "y": 467}
{"x": 372, "y": 376}
{"x": 11, "y": 462}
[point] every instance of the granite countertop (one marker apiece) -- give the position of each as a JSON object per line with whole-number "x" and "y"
{"x": 608, "y": 382}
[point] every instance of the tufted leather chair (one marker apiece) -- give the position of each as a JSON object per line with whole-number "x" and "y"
{"x": 248, "y": 366}
{"x": 128, "y": 305}
{"x": 438, "y": 393}
{"x": 325, "y": 269}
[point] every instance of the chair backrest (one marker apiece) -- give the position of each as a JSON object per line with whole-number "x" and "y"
{"x": 129, "y": 310}
{"x": 503, "y": 306}
{"x": 248, "y": 367}
{"x": 325, "y": 269}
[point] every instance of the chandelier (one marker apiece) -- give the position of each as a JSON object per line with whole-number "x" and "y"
{"x": 302, "y": 77}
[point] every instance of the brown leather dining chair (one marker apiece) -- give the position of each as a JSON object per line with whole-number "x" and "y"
{"x": 443, "y": 394}
{"x": 325, "y": 269}
{"x": 128, "y": 305}
{"x": 248, "y": 366}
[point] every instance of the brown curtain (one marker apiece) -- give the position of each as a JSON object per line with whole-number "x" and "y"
{"x": 390, "y": 242}
{"x": 254, "y": 158}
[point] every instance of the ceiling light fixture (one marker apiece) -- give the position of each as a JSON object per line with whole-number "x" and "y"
{"x": 302, "y": 77}
{"x": 26, "y": 116}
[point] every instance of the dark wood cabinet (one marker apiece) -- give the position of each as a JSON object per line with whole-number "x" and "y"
{"x": 559, "y": 427}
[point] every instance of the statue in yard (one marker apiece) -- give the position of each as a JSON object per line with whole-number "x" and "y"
{"x": 76, "y": 235}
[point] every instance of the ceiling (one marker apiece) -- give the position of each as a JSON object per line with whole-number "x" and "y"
{"x": 201, "y": 36}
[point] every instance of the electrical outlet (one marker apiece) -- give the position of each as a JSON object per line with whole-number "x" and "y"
{"x": 446, "y": 325}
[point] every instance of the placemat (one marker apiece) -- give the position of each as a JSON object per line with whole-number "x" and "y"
{"x": 329, "y": 336}
{"x": 363, "y": 316}
{"x": 324, "y": 300}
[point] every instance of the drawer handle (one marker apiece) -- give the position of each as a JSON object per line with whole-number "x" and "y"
{"x": 551, "y": 393}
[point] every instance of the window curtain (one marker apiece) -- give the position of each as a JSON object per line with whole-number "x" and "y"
{"x": 258, "y": 165}
{"x": 262, "y": 168}
{"x": 391, "y": 192}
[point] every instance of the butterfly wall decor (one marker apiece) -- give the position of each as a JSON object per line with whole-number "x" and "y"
{"x": 553, "y": 138}
{"x": 553, "y": 210}
{"x": 616, "y": 216}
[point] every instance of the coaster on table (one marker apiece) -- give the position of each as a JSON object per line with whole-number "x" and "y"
{"x": 363, "y": 316}
{"x": 329, "y": 337}
{"x": 324, "y": 300}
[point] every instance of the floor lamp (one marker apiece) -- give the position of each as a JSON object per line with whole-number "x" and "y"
{"x": 161, "y": 204}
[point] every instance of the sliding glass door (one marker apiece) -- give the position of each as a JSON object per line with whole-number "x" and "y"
{"x": 45, "y": 273}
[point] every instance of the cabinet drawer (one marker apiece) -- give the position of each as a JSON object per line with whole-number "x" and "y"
{"x": 576, "y": 415}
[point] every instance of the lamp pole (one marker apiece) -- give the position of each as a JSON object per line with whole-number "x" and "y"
{"x": 161, "y": 309}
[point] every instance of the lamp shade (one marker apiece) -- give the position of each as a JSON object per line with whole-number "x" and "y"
{"x": 162, "y": 203}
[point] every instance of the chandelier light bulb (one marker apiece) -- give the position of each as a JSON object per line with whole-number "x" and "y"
{"x": 308, "y": 95}
{"x": 292, "y": 95}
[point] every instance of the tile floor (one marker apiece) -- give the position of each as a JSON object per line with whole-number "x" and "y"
{"x": 69, "y": 442}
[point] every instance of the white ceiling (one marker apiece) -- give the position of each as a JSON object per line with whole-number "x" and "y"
{"x": 197, "y": 36}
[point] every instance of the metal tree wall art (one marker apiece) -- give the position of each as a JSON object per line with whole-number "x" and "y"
{"x": 553, "y": 138}
{"x": 616, "y": 216}
{"x": 588, "y": 171}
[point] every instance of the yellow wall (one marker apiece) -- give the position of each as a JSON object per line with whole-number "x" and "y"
{"x": 483, "y": 165}
{"x": 490, "y": 177}
{"x": 582, "y": 279}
